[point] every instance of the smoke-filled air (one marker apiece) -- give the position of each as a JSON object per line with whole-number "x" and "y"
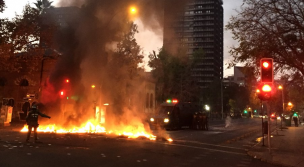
{"x": 97, "y": 83}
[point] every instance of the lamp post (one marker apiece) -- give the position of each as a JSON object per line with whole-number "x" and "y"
{"x": 207, "y": 108}
{"x": 281, "y": 88}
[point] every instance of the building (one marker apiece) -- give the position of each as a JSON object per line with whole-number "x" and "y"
{"x": 198, "y": 25}
{"x": 242, "y": 76}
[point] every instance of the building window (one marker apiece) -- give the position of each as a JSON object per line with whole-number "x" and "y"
{"x": 24, "y": 82}
{"x": 151, "y": 100}
{"x": 147, "y": 100}
{"x": 2, "y": 81}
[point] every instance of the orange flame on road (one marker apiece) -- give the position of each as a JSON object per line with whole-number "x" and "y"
{"x": 90, "y": 127}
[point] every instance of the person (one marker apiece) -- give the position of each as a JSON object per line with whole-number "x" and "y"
{"x": 296, "y": 120}
{"x": 32, "y": 121}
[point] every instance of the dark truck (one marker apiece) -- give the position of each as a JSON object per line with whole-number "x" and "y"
{"x": 174, "y": 115}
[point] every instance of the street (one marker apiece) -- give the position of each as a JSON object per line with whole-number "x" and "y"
{"x": 220, "y": 146}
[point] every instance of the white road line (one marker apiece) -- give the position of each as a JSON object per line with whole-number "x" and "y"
{"x": 215, "y": 150}
{"x": 210, "y": 144}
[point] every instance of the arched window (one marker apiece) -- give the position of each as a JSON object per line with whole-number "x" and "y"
{"x": 147, "y": 100}
{"x": 24, "y": 82}
{"x": 151, "y": 100}
{"x": 2, "y": 81}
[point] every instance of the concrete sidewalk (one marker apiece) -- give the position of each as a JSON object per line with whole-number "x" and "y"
{"x": 287, "y": 148}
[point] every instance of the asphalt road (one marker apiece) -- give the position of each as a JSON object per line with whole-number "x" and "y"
{"x": 219, "y": 147}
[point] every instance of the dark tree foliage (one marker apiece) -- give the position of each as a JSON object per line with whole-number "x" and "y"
{"x": 129, "y": 51}
{"x": 41, "y": 5}
{"x": 269, "y": 28}
{"x": 20, "y": 40}
{"x": 123, "y": 70}
{"x": 2, "y": 6}
{"x": 173, "y": 76}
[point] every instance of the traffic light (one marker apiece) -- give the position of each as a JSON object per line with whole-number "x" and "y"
{"x": 264, "y": 91}
{"x": 266, "y": 70}
{"x": 62, "y": 93}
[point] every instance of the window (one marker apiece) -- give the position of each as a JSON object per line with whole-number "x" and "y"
{"x": 151, "y": 100}
{"x": 147, "y": 100}
{"x": 24, "y": 82}
{"x": 2, "y": 81}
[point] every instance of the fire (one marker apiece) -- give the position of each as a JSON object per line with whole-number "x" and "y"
{"x": 90, "y": 127}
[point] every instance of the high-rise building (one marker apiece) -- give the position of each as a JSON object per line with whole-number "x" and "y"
{"x": 198, "y": 25}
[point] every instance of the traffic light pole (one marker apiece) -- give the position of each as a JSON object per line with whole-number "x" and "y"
{"x": 262, "y": 122}
{"x": 269, "y": 141}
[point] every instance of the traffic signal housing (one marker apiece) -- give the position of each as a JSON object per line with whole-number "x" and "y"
{"x": 264, "y": 91}
{"x": 266, "y": 70}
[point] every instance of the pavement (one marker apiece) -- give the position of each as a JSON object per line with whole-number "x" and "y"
{"x": 286, "y": 147}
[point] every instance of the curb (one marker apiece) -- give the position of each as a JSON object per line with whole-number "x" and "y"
{"x": 252, "y": 154}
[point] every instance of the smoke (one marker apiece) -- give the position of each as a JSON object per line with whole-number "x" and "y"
{"x": 227, "y": 121}
{"x": 89, "y": 56}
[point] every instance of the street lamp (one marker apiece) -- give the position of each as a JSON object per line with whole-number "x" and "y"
{"x": 280, "y": 87}
{"x": 133, "y": 10}
{"x": 207, "y": 107}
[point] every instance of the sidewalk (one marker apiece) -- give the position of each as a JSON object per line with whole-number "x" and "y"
{"x": 287, "y": 148}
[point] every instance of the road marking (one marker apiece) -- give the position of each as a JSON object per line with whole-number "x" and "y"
{"x": 215, "y": 150}
{"x": 195, "y": 142}
{"x": 247, "y": 145}
{"x": 245, "y": 162}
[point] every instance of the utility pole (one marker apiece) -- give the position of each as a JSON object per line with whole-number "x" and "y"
{"x": 222, "y": 99}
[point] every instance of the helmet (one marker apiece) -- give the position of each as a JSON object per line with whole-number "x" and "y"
{"x": 34, "y": 106}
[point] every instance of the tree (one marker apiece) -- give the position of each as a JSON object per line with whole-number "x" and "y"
{"x": 269, "y": 28}
{"x": 20, "y": 40}
{"x": 41, "y": 5}
{"x": 121, "y": 85}
{"x": 174, "y": 76}
{"x": 2, "y": 6}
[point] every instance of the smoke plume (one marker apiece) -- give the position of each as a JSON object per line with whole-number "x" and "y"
{"x": 88, "y": 55}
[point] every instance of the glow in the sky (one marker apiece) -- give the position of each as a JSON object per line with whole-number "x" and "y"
{"x": 155, "y": 41}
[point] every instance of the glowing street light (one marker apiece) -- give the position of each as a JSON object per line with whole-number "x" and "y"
{"x": 93, "y": 86}
{"x": 133, "y": 10}
{"x": 289, "y": 104}
{"x": 207, "y": 107}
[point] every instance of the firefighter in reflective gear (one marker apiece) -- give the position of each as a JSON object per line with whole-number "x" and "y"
{"x": 32, "y": 121}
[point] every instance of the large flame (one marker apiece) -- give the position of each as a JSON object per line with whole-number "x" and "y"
{"x": 91, "y": 127}
{"x": 72, "y": 117}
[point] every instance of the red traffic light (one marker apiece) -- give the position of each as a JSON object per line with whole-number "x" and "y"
{"x": 67, "y": 80}
{"x": 266, "y": 70}
{"x": 264, "y": 91}
{"x": 266, "y": 88}
{"x": 61, "y": 93}
{"x": 265, "y": 64}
